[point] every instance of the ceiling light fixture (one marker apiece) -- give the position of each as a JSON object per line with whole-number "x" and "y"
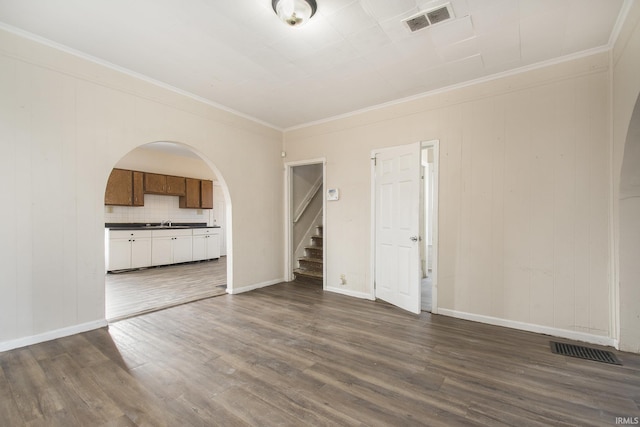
{"x": 294, "y": 12}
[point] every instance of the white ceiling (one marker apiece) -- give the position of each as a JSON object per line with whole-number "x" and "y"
{"x": 352, "y": 55}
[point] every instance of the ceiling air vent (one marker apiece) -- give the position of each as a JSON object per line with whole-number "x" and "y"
{"x": 430, "y": 17}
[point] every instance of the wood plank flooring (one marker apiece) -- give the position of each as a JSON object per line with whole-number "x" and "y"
{"x": 293, "y": 355}
{"x": 135, "y": 292}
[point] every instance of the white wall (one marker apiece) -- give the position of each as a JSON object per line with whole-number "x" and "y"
{"x": 626, "y": 201}
{"x": 64, "y": 123}
{"x": 524, "y": 195}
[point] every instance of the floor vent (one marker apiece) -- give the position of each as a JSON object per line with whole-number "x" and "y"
{"x": 584, "y": 353}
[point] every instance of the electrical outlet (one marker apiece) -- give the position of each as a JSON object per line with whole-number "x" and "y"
{"x": 343, "y": 279}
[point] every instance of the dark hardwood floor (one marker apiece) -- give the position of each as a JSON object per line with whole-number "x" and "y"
{"x": 294, "y": 355}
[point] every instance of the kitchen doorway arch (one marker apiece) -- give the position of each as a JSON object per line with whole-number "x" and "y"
{"x": 162, "y": 287}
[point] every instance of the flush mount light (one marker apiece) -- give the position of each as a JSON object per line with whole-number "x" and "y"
{"x": 294, "y": 12}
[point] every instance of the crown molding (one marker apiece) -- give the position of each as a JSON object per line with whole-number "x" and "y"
{"x": 58, "y": 46}
{"x": 489, "y": 78}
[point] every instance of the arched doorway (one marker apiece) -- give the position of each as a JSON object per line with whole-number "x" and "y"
{"x": 163, "y": 250}
{"x": 629, "y": 277}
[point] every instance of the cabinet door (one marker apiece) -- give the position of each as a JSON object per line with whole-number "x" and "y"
{"x": 200, "y": 248}
{"x": 155, "y": 183}
{"x": 140, "y": 252}
{"x": 138, "y": 189}
{"x": 161, "y": 250}
{"x": 213, "y": 246}
{"x": 119, "y": 254}
{"x": 119, "y": 188}
{"x": 192, "y": 197}
{"x": 206, "y": 194}
{"x": 182, "y": 249}
{"x": 176, "y": 185}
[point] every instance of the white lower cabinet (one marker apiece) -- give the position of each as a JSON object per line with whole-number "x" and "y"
{"x": 171, "y": 246}
{"x": 128, "y": 249}
{"x": 206, "y": 243}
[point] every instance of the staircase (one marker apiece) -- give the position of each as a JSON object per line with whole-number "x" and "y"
{"x": 311, "y": 265}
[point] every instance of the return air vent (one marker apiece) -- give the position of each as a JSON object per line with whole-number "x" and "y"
{"x": 430, "y": 17}
{"x": 584, "y": 353}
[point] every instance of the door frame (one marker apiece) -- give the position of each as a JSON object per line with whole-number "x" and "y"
{"x": 288, "y": 225}
{"x": 435, "y": 144}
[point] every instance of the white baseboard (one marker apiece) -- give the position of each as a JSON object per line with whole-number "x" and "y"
{"x": 530, "y": 327}
{"x": 248, "y": 288}
{"x": 361, "y": 295}
{"x": 52, "y": 335}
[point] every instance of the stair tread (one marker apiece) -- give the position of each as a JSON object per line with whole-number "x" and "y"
{"x": 308, "y": 273}
{"x": 310, "y": 259}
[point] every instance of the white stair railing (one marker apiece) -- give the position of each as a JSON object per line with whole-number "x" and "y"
{"x": 307, "y": 199}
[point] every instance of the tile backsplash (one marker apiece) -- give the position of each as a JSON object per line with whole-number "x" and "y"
{"x": 156, "y": 209}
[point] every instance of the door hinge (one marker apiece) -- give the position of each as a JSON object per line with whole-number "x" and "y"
{"x": 375, "y": 161}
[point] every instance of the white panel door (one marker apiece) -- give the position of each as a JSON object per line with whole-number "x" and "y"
{"x": 397, "y": 210}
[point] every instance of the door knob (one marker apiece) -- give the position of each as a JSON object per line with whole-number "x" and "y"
{"x": 413, "y": 238}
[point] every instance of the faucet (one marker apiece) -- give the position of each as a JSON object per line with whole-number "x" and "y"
{"x": 167, "y": 223}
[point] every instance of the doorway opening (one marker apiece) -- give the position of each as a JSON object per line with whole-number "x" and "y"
{"x": 161, "y": 250}
{"x": 305, "y": 222}
{"x": 428, "y": 224}
{"x": 625, "y": 308}
{"x": 404, "y": 225}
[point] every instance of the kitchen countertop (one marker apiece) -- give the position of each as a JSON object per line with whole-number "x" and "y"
{"x": 156, "y": 226}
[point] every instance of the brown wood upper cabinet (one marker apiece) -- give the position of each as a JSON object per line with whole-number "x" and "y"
{"x": 192, "y": 197}
{"x": 138, "y": 188}
{"x": 199, "y": 194}
{"x": 206, "y": 194}
{"x": 155, "y": 183}
{"x": 164, "y": 184}
{"x": 124, "y": 188}
{"x": 127, "y": 188}
{"x": 176, "y": 185}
